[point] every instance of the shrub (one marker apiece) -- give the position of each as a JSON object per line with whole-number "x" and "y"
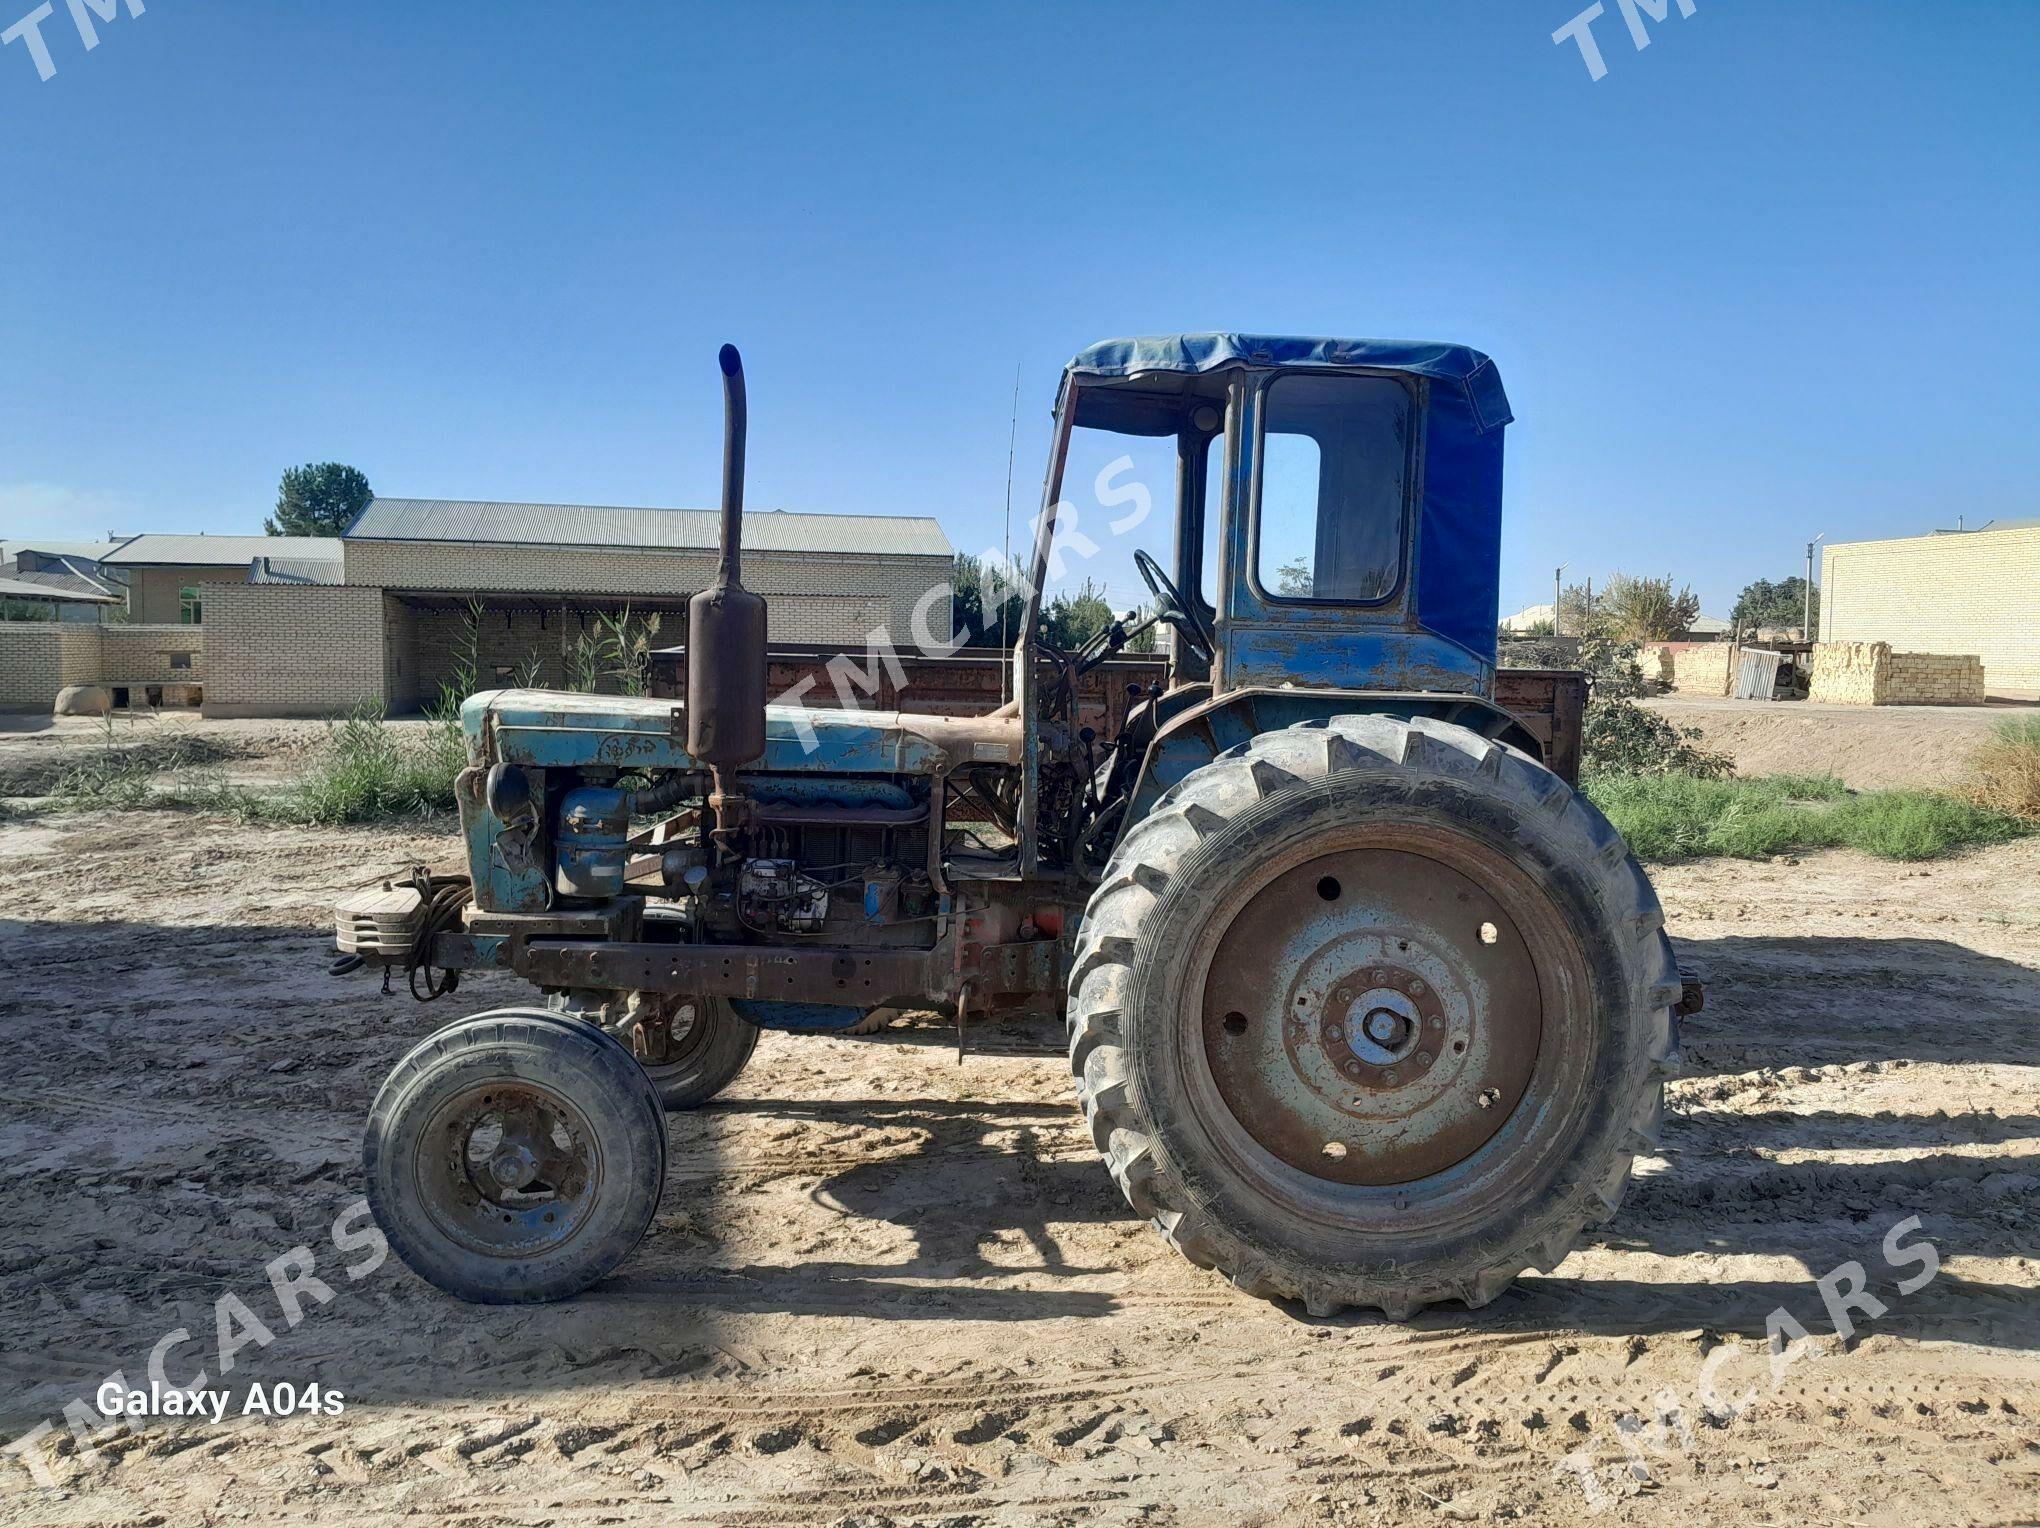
{"x": 1619, "y": 737}
{"x": 1647, "y": 609}
{"x": 2008, "y": 768}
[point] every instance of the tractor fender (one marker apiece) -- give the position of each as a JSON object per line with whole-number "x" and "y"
{"x": 1194, "y": 737}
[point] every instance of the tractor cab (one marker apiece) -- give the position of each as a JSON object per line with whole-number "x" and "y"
{"x": 1357, "y": 492}
{"x": 1337, "y": 529}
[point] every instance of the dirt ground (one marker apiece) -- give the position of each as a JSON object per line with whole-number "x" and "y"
{"x": 1867, "y": 747}
{"x": 886, "y": 1287}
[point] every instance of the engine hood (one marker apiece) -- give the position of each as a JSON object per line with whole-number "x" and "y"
{"x": 555, "y": 729}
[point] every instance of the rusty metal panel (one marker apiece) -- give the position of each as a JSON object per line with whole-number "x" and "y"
{"x": 762, "y": 972}
{"x": 770, "y": 973}
{"x": 1552, "y": 706}
{"x": 969, "y": 682}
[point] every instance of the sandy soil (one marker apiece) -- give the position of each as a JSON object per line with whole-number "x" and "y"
{"x": 885, "y": 1287}
{"x": 1864, "y": 746}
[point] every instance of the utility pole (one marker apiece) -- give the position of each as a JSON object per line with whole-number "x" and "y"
{"x": 1006, "y": 548}
{"x": 1806, "y": 620}
{"x": 1557, "y": 595}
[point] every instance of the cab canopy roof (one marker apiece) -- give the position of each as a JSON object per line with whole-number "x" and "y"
{"x": 1466, "y": 371}
{"x": 1145, "y": 386}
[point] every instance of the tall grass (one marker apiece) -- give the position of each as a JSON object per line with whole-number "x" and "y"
{"x": 2008, "y": 768}
{"x": 1674, "y": 817}
{"x": 367, "y": 771}
{"x": 370, "y": 772}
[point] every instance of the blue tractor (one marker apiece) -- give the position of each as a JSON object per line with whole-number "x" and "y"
{"x": 1366, "y": 1004}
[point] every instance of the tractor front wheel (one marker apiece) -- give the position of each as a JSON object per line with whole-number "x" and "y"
{"x": 515, "y": 1156}
{"x": 1372, "y": 1012}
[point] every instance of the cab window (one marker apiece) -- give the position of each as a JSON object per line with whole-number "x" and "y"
{"x": 1334, "y": 486}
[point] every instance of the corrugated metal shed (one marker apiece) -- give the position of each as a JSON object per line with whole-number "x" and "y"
{"x": 608, "y": 526}
{"x": 67, "y": 578}
{"x": 219, "y": 551}
{"x": 58, "y": 588}
{"x": 1756, "y": 674}
{"x": 294, "y": 570}
{"x": 87, "y": 551}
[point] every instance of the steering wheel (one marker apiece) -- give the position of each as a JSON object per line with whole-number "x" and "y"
{"x": 1170, "y": 606}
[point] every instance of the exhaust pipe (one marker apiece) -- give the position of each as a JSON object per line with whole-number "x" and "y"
{"x": 736, "y": 430}
{"x": 726, "y": 633}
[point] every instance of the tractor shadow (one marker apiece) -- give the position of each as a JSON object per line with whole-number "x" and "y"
{"x": 967, "y": 1194}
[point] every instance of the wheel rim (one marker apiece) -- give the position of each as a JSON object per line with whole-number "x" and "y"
{"x": 1372, "y": 1014}
{"x": 685, "y": 1036}
{"x": 511, "y": 1170}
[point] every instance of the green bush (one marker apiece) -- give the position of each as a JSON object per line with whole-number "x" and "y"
{"x": 1674, "y": 817}
{"x": 369, "y": 772}
{"x": 2008, "y": 768}
{"x": 1620, "y": 737}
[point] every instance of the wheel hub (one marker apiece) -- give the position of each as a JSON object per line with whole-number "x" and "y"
{"x": 514, "y": 1166}
{"x": 1382, "y": 1026}
{"x": 1372, "y": 1016}
{"x": 517, "y": 1171}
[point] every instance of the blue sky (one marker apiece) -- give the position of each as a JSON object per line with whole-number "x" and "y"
{"x": 1771, "y": 276}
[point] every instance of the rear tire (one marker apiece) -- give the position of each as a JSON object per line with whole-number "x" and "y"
{"x": 515, "y": 1156}
{"x": 716, "y": 1046}
{"x": 1409, "y": 878}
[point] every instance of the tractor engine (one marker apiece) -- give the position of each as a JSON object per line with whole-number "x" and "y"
{"x": 821, "y": 855}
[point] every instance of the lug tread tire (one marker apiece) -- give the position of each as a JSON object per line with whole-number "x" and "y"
{"x": 1204, "y": 804}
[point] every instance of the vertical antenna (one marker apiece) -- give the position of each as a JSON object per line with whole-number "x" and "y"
{"x": 1006, "y": 551}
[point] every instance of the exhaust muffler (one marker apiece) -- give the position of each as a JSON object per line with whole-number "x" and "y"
{"x": 726, "y": 632}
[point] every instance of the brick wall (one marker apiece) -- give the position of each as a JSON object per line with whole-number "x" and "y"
{"x": 293, "y": 649}
{"x": 39, "y": 658}
{"x": 1850, "y": 673}
{"x": 1971, "y": 593}
{"x": 510, "y": 643}
{"x": 1935, "y": 679}
{"x": 1871, "y": 674}
{"x": 813, "y": 597}
{"x": 132, "y": 654}
{"x": 1701, "y": 669}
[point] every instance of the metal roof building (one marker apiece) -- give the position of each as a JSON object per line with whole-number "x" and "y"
{"x": 55, "y": 589}
{"x": 161, "y": 551}
{"x": 419, "y": 591}
{"x": 613, "y": 528}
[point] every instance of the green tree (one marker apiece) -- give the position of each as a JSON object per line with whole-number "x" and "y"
{"x": 1581, "y": 615}
{"x": 318, "y": 499}
{"x": 1646, "y": 610}
{"x": 1144, "y": 641}
{"x": 1072, "y": 619}
{"x": 1764, "y": 603}
{"x": 981, "y": 591}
